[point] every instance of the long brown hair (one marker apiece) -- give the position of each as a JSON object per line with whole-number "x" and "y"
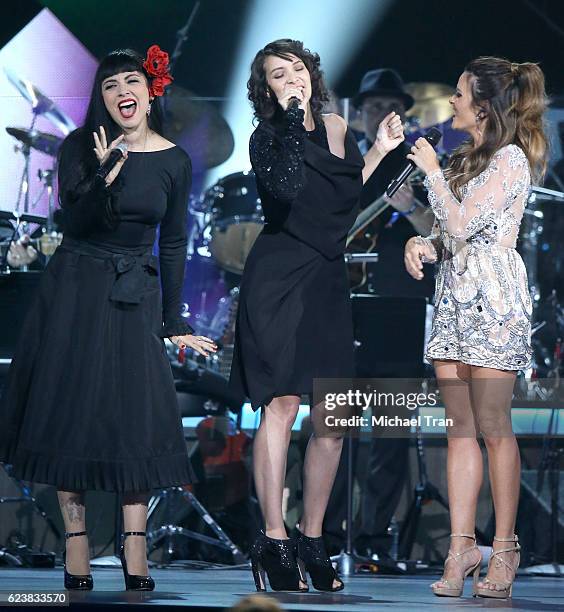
{"x": 513, "y": 99}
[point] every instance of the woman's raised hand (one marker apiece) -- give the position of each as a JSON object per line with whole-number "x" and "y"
{"x": 102, "y": 151}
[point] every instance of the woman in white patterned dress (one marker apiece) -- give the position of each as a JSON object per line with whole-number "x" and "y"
{"x": 482, "y": 324}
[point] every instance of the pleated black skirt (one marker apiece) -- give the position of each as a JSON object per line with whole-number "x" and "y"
{"x": 90, "y": 401}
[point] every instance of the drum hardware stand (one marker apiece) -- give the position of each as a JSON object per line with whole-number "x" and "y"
{"x": 163, "y": 535}
{"x": 347, "y": 558}
{"x": 24, "y": 181}
{"x": 26, "y": 497}
{"x": 550, "y": 464}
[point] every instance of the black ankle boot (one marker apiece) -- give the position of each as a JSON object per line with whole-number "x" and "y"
{"x": 74, "y": 582}
{"x": 312, "y": 553}
{"x": 134, "y": 583}
{"x": 277, "y": 559}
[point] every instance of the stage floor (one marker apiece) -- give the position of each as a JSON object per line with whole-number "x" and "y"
{"x": 218, "y": 589}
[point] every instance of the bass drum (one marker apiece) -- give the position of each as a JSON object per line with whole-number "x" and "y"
{"x": 236, "y": 219}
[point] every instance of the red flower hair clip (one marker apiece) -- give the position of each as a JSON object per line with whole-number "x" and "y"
{"x": 156, "y": 66}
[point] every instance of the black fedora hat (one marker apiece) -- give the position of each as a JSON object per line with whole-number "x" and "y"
{"x": 383, "y": 82}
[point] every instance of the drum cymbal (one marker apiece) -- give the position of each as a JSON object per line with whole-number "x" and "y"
{"x": 46, "y": 143}
{"x": 198, "y": 127}
{"x": 431, "y": 103}
{"x": 40, "y": 103}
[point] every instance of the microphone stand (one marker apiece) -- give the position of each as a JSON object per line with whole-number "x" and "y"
{"x": 181, "y": 38}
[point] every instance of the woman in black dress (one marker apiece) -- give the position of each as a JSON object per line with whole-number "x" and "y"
{"x": 90, "y": 401}
{"x": 294, "y": 321}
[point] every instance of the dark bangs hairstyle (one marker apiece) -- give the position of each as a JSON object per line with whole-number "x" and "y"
{"x": 262, "y": 98}
{"x": 512, "y": 97}
{"x": 80, "y": 160}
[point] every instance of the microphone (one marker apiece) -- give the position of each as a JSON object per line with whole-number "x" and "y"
{"x": 293, "y": 103}
{"x": 115, "y": 155}
{"x": 432, "y": 137}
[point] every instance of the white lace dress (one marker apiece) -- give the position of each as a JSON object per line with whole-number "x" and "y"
{"x": 482, "y": 302}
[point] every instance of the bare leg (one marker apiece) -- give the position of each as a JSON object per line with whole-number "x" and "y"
{"x": 320, "y": 466}
{"x": 270, "y": 453}
{"x": 491, "y": 394}
{"x": 464, "y": 462}
{"x": 74, "y": 517}
{"x": 135, "y": 519}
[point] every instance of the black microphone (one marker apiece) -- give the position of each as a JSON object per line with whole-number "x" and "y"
{"x": 432, "y": 137}
{"x": 115, "y": 155}
{"x": 293, "y": 103}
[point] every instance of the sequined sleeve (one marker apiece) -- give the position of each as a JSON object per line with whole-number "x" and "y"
{"x": 277, "y": 158}
{"x": 485, "y": 197}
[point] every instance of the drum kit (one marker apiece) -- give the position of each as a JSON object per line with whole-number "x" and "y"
{"x": 28, "y": 140}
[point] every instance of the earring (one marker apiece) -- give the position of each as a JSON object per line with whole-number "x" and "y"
{"x": 149, "y": 109}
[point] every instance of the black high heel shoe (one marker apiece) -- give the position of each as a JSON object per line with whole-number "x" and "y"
{"x": 314, "y": 559}
{"x": 276, "y": 558}
{"x": 76, "y": 582}
{"x": 134, "y": 583}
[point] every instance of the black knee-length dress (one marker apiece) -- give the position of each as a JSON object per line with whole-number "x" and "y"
{"x": 294, "y": 321}
{"x": 90, "y": 401}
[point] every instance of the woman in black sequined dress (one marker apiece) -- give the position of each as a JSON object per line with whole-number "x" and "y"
{"x": 294, "y": 322}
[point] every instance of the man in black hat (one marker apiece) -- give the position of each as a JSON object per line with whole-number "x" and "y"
{"x": 381, "y": 92}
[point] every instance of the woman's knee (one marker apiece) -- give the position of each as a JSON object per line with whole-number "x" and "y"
{"x": 330, "y": 443}
{"x": 495, "y": 441}
{"x": 283, "y": 410}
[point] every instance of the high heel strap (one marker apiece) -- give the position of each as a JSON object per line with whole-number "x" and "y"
{"x": 134, "y": 533}
{"x": 74, "y": 534}
{"x": 463, "y": 535}
{"x": 514, "y": 538}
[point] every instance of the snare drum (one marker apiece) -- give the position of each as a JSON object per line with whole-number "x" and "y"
{"x": 236, "y": 219}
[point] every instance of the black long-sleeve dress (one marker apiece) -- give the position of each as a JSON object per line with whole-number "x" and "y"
{"x": 90, "y": 401}
{"x": 294, "y": 321}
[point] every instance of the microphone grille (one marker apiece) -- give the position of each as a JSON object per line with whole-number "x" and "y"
{"x": 433, "y": 136}
{"x": 122, "y": 146}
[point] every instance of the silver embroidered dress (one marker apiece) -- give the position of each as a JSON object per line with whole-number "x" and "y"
{"x": 482, "y": 302}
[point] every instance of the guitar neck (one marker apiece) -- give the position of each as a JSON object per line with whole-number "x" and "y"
{"x": 367, "y": 216}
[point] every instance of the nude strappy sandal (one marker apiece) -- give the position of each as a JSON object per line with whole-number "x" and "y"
{"x": 452, "y": 588}
{"x": 501, "y": 590}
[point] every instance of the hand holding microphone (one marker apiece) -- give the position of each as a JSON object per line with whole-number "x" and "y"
{"x": 293, "y": 97}
{"x": 111, "y": 157}
{"x": 422, "y": 155}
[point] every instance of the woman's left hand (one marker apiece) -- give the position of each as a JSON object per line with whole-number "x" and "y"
{"x": 390, "y": 133}
{"x": 201, "y": 344}
{"x": 424, "y": 156}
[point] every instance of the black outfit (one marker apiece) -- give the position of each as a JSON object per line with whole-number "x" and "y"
{"x": 294, "y": 320}
{"x": 90, "y": 401}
